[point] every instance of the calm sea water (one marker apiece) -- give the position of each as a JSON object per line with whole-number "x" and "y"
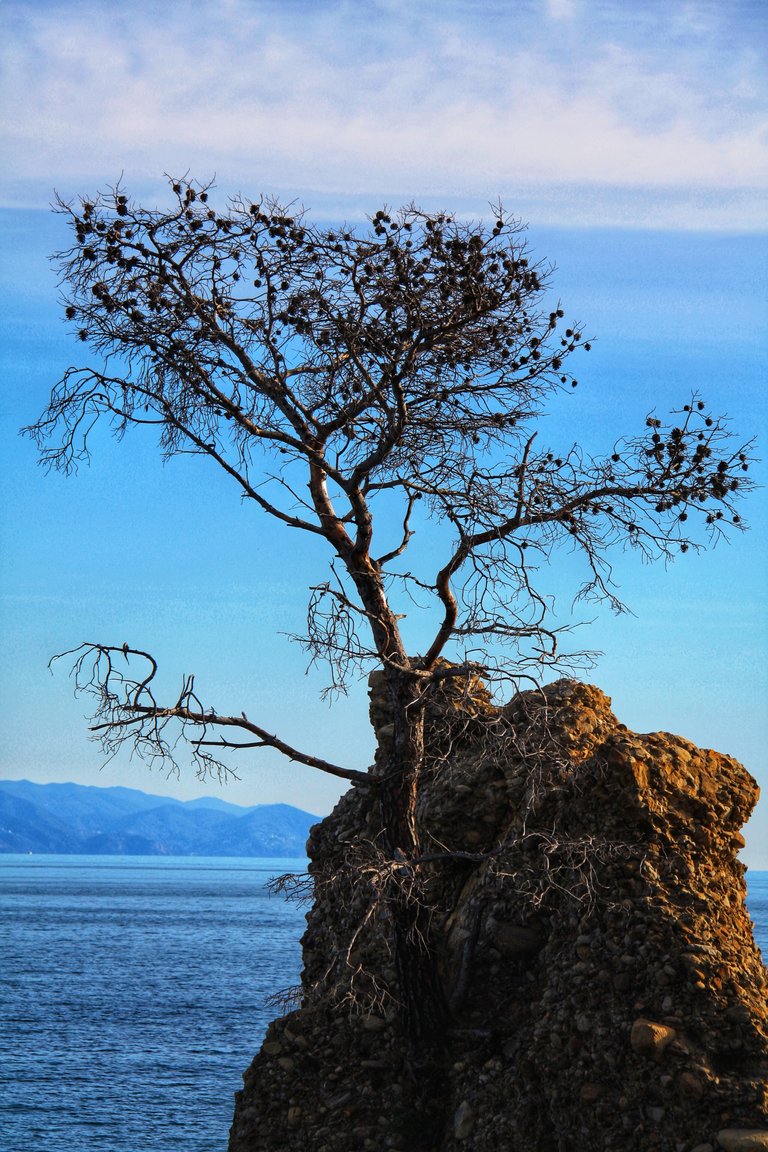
{"x": 132, "y": 995}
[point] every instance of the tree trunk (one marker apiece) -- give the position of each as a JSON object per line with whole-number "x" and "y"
{"x": 424, "y": 1009}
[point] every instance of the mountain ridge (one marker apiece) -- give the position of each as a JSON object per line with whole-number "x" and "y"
{"x": 77, "y": 819}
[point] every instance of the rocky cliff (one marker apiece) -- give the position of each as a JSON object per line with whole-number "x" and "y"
{"x": 604, "y": 990}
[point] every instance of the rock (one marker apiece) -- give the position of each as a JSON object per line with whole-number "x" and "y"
{"x": 690, "y": 1085}
{"x": 650, "y": 1039}
{"x": 592, "y": 942}
{"x": 590, "y": 1093}
{"x": 463, "y": 1121}
{"x": 373, "y": 1023}
{"x": 743, "y": 1139}
{"x": 513, "y": 939}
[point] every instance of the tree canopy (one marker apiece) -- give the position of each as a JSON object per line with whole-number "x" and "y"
{"x": 353, "y": 383}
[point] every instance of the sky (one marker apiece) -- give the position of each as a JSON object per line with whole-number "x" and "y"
{"x": 633, "y": 139}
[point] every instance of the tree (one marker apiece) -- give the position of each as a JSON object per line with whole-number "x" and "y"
{"x": 347, "y": 381}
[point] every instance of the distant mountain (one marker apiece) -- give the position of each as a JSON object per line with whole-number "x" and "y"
{"x": 87, "y": 820}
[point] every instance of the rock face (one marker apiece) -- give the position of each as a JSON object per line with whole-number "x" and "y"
{"x": 604, "y": 990}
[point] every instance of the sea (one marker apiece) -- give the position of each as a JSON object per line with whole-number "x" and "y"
{"x": 134, "y": 992}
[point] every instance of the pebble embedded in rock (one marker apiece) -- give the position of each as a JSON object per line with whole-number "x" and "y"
{"x": 590, "y": 1093}
{"x": 373, "y": 1023}
{"x": 649, "y": 1038}
{"x": 464, "y": 1120}
{"x": 690, "y": 1085}
{"x": 743, "y": 1139}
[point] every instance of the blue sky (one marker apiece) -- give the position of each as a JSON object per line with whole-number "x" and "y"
{"x": 634, "y": 140}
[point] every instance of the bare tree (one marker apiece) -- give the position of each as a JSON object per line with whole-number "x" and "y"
{"x": 349, "y": 381}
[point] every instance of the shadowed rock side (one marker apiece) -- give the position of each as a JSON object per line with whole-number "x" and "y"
{"x": 604, "y": 989}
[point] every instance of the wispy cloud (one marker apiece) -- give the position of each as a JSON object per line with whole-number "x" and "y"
{"x": 571, "y": 110}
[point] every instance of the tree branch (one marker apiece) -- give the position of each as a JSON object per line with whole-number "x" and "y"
{"x": 128, "y": 710}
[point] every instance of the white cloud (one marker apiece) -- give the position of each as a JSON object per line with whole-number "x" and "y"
{"x": 561, "y": 9}
{"x": 389, "y": 99}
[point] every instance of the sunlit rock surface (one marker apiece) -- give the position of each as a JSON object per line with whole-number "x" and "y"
{"x": 605, "y": 992}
